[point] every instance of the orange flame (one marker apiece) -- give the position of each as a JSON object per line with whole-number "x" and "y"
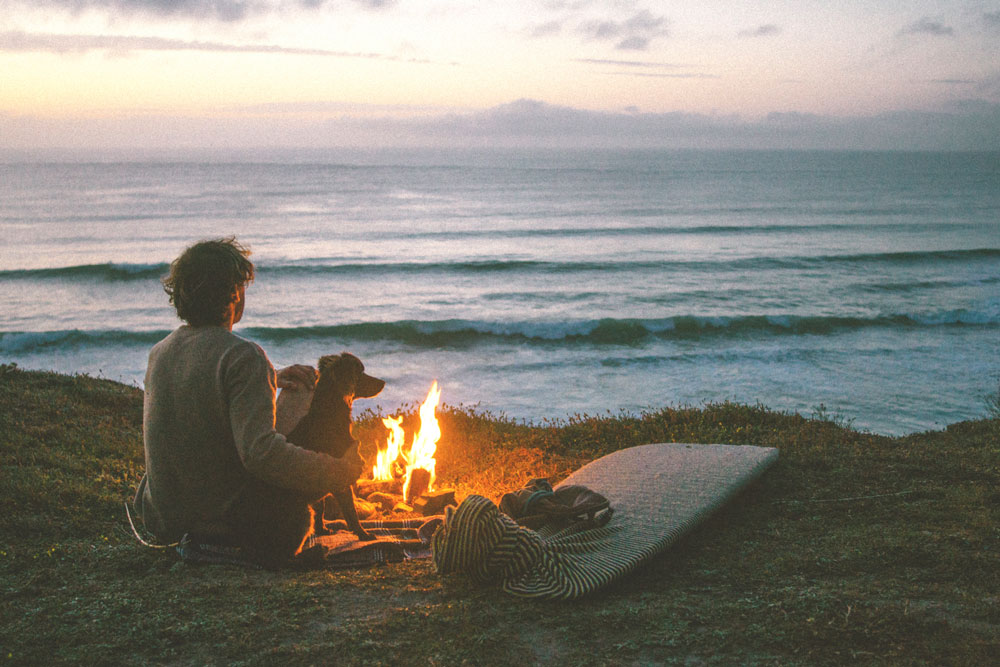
{"x": 385, "y": 459}
{"x": 420, "y": 453}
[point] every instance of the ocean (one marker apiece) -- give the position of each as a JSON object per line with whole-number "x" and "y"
{"x": 541, "y": 285}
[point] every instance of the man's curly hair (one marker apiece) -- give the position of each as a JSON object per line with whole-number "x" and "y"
{"x": 204, "y": 281}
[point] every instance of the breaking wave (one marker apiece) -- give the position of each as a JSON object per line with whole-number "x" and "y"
{"x": 21, "y": 342}
{"x": 109, "y": 272}
{"x": 457, "y": 333}
{"x": 130, "y": 272}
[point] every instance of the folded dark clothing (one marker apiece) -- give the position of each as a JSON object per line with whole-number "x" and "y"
{"x": 537, "y": 505}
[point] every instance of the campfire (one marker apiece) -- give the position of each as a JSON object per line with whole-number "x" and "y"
{"x": 403, "y": 475}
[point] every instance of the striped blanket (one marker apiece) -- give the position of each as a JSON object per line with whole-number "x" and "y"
{"x": 395, "y": 541}
{"x": 658, "y": 493}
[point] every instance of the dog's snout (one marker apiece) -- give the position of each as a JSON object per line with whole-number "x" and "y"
{"x": 368, "y": 386}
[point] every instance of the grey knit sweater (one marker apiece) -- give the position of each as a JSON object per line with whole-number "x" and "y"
{"x": 208, "y": 424}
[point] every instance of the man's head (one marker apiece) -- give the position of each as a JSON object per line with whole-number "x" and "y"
{"x": 206, "y": 282}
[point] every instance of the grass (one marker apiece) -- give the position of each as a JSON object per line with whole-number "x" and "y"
{"x": 853, "y": 548}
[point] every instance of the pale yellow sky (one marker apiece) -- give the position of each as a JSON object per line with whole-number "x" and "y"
{"x": 72, "y": 64}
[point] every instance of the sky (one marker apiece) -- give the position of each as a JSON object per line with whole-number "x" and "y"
{"x": 175, "y": 74}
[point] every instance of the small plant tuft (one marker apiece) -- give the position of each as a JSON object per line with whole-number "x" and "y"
{"x": 993, "y": 403}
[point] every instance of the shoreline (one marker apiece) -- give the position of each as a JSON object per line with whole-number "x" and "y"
{"x": 819, "y": 412}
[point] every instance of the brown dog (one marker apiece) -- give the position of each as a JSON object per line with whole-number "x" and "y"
{"x": 326, "y": 427}
{"x": 276, "y": 522}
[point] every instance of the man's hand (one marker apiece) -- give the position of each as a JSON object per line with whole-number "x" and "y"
{"x": 350, "y": 465}
{"x": 296, "y": 376}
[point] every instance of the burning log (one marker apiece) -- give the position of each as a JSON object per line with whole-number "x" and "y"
{"x": 367, "y": 487}
{"x": 332, "y": 509}
{"x": 385, "y": 501}
{"x": 434, "y": 502}
{"x": 420, "y": 481}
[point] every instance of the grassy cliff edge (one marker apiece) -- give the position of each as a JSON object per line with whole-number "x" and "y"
{"x": 854, "y": 547}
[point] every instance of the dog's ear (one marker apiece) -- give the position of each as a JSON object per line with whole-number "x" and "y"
{"x": 348, "y": 373}
{"x": 349, "y": 369}
{"x": 365, "y": 386}
{"x": 327, "y": 363}
{"x": 335, "y": 374}
{"x": 341, "y": 371}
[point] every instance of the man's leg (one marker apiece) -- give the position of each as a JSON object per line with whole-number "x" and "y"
{"x": 271, "y": 522}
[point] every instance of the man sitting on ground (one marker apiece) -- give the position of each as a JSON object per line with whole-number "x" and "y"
{"x": 209, "y": 411}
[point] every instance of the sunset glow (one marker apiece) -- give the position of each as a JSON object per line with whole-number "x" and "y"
{"x": 274, "y": 72}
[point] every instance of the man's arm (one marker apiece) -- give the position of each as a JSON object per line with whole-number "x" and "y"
{"x": 251, "y": 383}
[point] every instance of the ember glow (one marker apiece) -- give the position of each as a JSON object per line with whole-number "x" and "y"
{"x": 396, "y": 459}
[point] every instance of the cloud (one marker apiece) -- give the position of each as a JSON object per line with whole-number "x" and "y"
{"x": 340, "y": 109}
{"x": 645, "y": 21}
{"x": 927, "y": 26}
{"x": 633, "y": 43}
{"x": 601, "y": 29}
{"x": 632, "y": 34}
{"x": 528, "y": 122}
{"x": 545, "y": 29}
{"x": 51, "y": 43}
{"x": 768, "y": 30}
{"x": 992, "y": 20}
{"x": 972, "y": 125}
{"x": 666, "y": 75}
{"x": 221, "y": 10}
{"x": 627, "y": 63}
{"x": 640, "y": 68}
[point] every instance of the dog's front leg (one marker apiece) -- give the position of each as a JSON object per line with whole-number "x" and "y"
{"x": 345, "y": 499}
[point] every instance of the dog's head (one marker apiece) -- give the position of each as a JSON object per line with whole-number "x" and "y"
{"x": 346, "y": 374}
